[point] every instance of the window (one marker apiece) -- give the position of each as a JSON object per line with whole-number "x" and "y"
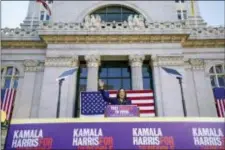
{"x": 179, "y": 1}
{"x": 147, "y": 76}
{"x": 47, "y": 17}
{"x": 114, "y": 13}
{"x": 115, "y": 75}
{"x": 42, "y": 15}
{"x": 81, "y": 86}
{"x": 217, "y": 75}
{"x": 10, "y": 77}
{"x": 181, "y": 14}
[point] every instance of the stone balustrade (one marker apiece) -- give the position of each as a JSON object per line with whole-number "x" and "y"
{"x": 126, "y": 28}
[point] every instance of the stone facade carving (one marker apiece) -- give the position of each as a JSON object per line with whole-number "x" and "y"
{"x": 136, "y": 22}
{"x": 92, "y": 60}
{"x": 168, "y": 60}
{"x": 33, "y": 66}
{"x": 197, "y": 64}
{"x": 208, "y": 33}
{"x": 136, "y": 60}
{"x": 92, "y": 21}
{"x": 61, "y": 61}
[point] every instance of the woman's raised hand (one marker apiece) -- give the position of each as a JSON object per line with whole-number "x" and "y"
{"x": 101, "y": 84}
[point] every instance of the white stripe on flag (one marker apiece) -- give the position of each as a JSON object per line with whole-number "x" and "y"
{"x": 146, "y": 107}
{"x": 142, "y": 101}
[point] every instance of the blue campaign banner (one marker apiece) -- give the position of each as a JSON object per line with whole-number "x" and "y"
{"x": 117, "y": 133}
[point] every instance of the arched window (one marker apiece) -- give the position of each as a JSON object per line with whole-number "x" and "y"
{"x": 116, "y": 13}
{"x": 217, "y": 75}
{"x": 10, "y": 77}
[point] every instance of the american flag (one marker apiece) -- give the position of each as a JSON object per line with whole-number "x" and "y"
{"x": 7, "y": 100}
{"x": 45, "y": 5}
{"x": 93, "y": 104}
{"x": 219, "y": 94}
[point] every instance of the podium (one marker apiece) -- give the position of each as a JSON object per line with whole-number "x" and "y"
{"x": 122, "y": 111}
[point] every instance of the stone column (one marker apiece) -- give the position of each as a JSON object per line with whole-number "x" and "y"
{"x": 157, "y": 86}
{"x": 54, "y": 67}
{"x": 23, "y": 108}
{"x": 136, "y": 71}
{"x": 93, "y": 63}
{"x": 203, "y": 91}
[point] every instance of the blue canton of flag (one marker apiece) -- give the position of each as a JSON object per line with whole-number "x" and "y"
{"x": 219, "y": 94}
{"x": 92, "y": 103}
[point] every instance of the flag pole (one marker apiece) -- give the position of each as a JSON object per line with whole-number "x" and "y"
{"x": 59, "y": 97}
{"x": 182, "y": 96}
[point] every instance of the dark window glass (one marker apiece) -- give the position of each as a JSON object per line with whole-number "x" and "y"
{"x": 7, "y": 82}
{"x": 184, "y": 14}
{"x": 9, "y": 71}
{"x": 114, "y": 84}
{"x": 114, "y": 72}
{"x": 211, "y": 70}
{"x": 221, "y": 80}
{"x": 114, "y": 13}
{"x": 115, "y": 75}
{"x": 125, "y": 72}
{"x": 47, "y": 17}
{"x": 147, "y": 76}
{"x": 83, "y": 72}
{"x": 219, "y": 69}
{"x": 126, "y": 84}
{"x": 42, "y": 15}
{"x": 146, "y": 83}
{"x": 83, "y": 85}
{"x": 15, "y": 85}
{"x": 213, "y": 82}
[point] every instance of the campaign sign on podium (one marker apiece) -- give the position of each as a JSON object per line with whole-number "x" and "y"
{"x": 122, "y": 111}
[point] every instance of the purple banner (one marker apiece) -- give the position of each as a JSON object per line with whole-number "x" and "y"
{"x": 121, "y": 111}
{"x": 117, "y": 135}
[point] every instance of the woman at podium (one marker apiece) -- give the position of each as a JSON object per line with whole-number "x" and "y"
{"x": 121, "y": 97}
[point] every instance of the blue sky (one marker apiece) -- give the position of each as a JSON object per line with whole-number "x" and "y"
{"x": 14, "y": 12}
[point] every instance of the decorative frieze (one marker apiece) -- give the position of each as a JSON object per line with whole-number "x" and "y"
{"x": 33, "y": 66}
{"x": 197, "y": 64}
{"x": 136, "y": 60}
{"x": 61, "y": 61}
{"x": 167, "y": 60}
{"x": 93, "y": 60}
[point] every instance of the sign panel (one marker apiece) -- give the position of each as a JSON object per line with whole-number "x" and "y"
{"x": 117, "y": 135}
{"x": 121, "y": 111}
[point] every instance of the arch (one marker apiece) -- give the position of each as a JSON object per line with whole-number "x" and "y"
{"x": 108, "y": 3}
{"x": 17, "y": 66}
{"x": 211, "y": 64}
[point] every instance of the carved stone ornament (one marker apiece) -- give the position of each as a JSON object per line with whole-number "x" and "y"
{"x": 167, "y": 60}
{"x": 136, "y": 60}
{"x": 92, "y": 60}
{"x": 33, "y": 66}
{"x": 197, "y": 64}
{"x": 61, "y": 61}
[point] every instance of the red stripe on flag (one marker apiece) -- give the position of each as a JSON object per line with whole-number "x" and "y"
{"x": 7, "y": 102}
{"x": 149, "y": 104}
{"x": 141, "y": 98}
{"x": 147, "y": 111}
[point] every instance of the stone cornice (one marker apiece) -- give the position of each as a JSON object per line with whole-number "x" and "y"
{"x": 92, "y": 60}
{"x": 136, "y": 60}
{"x": 167, "y": 60}
{"x": 33, "y": 66}
{"x": 24, "y": 44}
{"x": 61, "y": 61}
{"x": 204, "y": 43}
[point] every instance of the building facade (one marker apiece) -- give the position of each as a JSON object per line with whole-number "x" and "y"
{"x": 124, "y": 43}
